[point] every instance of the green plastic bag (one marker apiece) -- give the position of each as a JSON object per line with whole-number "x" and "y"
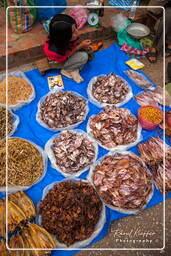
{"x": 21, "y": 19}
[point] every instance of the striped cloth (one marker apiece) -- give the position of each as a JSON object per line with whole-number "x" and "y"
{"x": 122, "y": 3}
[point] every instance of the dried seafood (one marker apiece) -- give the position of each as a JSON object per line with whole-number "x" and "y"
{"x": 123, "y": 181}
{"x": 19, "y": 90}
{"x": 152, "y": 152}
{"x": 71, "y": 211}
{"x": 110, "y": 89}
{"x": 62, "y": 109}
{"x": 114, "y": 126}
{"x": 24, "y": 203}
{"x": 32, "y": 236}
{"x": 3, "y": 122}
{"x": 73, "y": 151}
{"x": 3, "y": 250}
{"x": 2, "y": 219}
{"x": 25, "y": 163}
{"x": 154, "y": 97}
{"x": 167, "y": 124}
{"x": 139, "y": 79}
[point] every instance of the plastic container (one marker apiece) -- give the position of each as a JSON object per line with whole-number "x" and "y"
{"x": 147, "y": 124}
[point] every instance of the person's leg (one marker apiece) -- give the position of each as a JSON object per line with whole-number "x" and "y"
{"x": 74, "y": 64}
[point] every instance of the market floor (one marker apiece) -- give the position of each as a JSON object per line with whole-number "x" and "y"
{"x": 143, "y": 230}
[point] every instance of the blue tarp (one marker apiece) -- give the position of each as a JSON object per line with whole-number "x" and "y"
{"x": 105, "y": 61}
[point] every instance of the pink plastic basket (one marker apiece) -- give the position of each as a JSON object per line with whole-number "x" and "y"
{"x": 145, "y": 123}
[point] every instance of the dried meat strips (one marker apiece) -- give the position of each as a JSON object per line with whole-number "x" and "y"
{"x": 114, "y": 126}
{"x": 62, "y": 109}
{"x": 73, "y": 151}
{"x": 70, "y": 211}
{"x": 139, "y": 79}
{"x": 152, "y": 152}
{"x": 123, "y": 182}
{"x": 110, "y": 89}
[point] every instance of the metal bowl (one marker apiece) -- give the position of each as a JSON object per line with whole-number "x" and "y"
{"x": 137, "y": 30}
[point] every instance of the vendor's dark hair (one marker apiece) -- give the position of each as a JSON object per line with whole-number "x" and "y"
{"x": 60, "y": 31}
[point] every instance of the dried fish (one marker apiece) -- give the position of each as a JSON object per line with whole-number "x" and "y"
{"x": 73, "y": 151}
{"x": 2, "y": 219}
{"x": 154, "y": 97}
{"x": 3, "y": 122}
{"x": 25, "y": 163}
{"x": 152, "y": 152}
{"x": 3, "y": 249}
{"x": 24, "y": 203}
{"x": 139, "y": 79}
{"x": 71, "y": 211}
{"x": 114, "y": 126}
{"x": 18, "y": 90}
{"x": 62, "y": 109}
{"x": 110, "y": 89}
{"x": 123, "y": 181}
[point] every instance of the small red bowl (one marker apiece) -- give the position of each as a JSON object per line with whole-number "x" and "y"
{"x": 147, "y": 124}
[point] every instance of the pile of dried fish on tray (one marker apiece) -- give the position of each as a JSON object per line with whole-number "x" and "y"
{"x": 114, "y": 127}
{"x": 62, "y": 110}
{"x": 154, "y": 97}
{"x": 71, "y": 152}
{"x": 139, "y": 79}
{"x": 109, "y": 89}
{"x": 72, "y": 211}
{"x": 152, "y": 153}
{"x": 26, "y": 163}
{"x": 22, "y": 233}
{"x": 123, "y": 182}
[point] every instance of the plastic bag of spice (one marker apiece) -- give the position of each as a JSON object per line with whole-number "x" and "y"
{"x": 20, "y": 103}
{"x": 119, "y": 147}
{"x": 48, "y": 108}
{"x": 104, "y": 96}
{"x": 98, "y": 227}
{"x": 13, "y": 189}
{"x": 74, "y": 152}
{"x": 126, "y": 190}
{"x": 13, "y": 122}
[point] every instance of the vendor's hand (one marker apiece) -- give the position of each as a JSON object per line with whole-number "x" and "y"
{"x": 85, "y": 44}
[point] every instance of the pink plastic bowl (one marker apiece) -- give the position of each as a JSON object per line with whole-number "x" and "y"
{"x": 145, "y": 123}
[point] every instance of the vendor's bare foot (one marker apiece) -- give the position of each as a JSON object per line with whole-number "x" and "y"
{"x": 152, "y": 55}
{"x": 66, "y": 73}
{"x": 76, "y": 76}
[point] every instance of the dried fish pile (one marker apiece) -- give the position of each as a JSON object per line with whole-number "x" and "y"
{"x": 114, "y": 126}
{"x": 32, "y": 236}
{"x": 139, "y": 79}
{"x": 62, "y": 109}
{"x": 123, "y": 181}
{"x": 3, "y": 122}
{"x": 25, "y": 163}
{"x": 110, "y": 89}
{"x": 73, "y": 151}
{"x": 20, "y": 211}
{"x": 154, "y": 97}
{"x": 71, "y": 211}
{"x": 3, "y": 249}
{"x": 19, "y": 90}
{"x": 152, "y": 153}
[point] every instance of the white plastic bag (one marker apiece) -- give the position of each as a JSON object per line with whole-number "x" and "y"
{"x": 119, "y": 21}
{"x": 20, "y": 104}
{"x": 90, "y": 179}
{"x": 98, "y": 228}
{"x": 100, "y": 104}
{"x": 50, "y": 154}
{"x": 119, "y": 147}
{"x": 152, "y": 87}
{"x": 13, "y": 189}
{"x": 64, "y": 128}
